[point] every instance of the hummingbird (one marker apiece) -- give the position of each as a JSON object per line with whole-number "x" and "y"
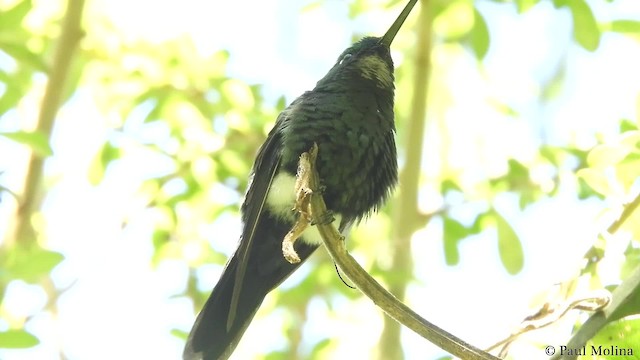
{"x": 349, "y": 115}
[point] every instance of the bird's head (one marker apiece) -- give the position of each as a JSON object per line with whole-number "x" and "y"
{"x": 367, "y": 63}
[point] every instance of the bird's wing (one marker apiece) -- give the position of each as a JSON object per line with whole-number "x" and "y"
{"x": 264, "y": 170}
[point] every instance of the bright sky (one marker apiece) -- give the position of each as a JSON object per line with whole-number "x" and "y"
{"x": 121, "y": 309}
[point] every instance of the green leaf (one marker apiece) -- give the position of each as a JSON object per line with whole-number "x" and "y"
{"x": 627, "y": 125}
{"x": 628, "y": 171}
{"x": 585, "y": 190}
{"x": 585, "y": 26}
{"x": 101, "y": 161}
{"x": 17, "y": 339}
{"x": 554, "y": 87}
{"x": 23, "y": 55}
{"x": 606, "y": 155}
{"x": 479, "y": 35}
{"x": 319, "y": 349}
{"x": 31, "y": 264}
{"x": 12, "y": 18}
{"x": 525, "y": 5}
{"x": 281, "y": 103}
{"x": 454, "y": 21}
{"x": 160, "y": 99}
{"x": 596, "y": 179}
{"x": 36, "y": 140}
{"x": 14, "y": 90}
{"x": 180, "y": 334}
{"x": 503, "y": 107}
{"x": 615, "y": 340}
{"x": 454, "y": 231}
{"x": 449, "y": 185}
{"x": 518, "y": 175}
{"x": 625, "y": 26}
{"x": 509, "y": 245}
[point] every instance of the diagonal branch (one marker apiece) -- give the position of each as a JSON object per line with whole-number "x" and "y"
{"x": 334, "y": 243}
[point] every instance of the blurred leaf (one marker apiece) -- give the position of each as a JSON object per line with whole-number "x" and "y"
{"x": 455, "y": 20}
{"x": 74, "y": 76}
{"x": 23, "y": 55}
{"x": 585, "y": 190}
{"x": 281, "y": 104}
{"x": 622, "y": 154}
{"x": 318, "y": 349}
{"x": 622, "y": 335}
{"x": 14, "y": 91}
{"x": 17, "y": 339}
{"x": 596, "y": 181}
{"x": 551, "y": 154}
{"x": 310, "y": 6}
{"x": 628, "y": 172}
{"x": 526, "y": 198}
{"x": 448, "y": 185}
{"x": 37, "y": 141}
{"x": 605, "y": 155}
{"x": 502, "y": 107}
{"x": 12, "y": 18}
{"x": 277, "y": 355}
{"x": 524, "y": 5}
{"x": 159, "y": 98}
{"x": 509, "y": 245}
{"x": 552, "y": 88}
{"x": 238, "y": 93}
{"x": 160, "y": 238}
{"x": 517, "y": 179}
{"x": 180, "y": 334}
{"x": 103, "y": 158}
{"x": 625, "y": 26}
{"x": 518, "y": 174}
{"x": 31, "y": 264}
{"x": 454, "y": 231}
{"x": 445, "y": 357}
{"x": 627, "y": 125}
{"x": 479, "y": 35}
{"x": 585, "y": 26}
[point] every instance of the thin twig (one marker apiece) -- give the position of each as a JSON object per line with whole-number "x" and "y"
{"x": 551, "y": 312}
{"x": 628, "y": 210}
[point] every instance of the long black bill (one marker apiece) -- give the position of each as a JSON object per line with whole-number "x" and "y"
{"x": 393, "y": 30}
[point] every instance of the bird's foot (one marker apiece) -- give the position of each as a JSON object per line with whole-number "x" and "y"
{"x": 324, "y": 219}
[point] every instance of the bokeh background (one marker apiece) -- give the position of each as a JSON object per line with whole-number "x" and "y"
{"x": 128, "y": 130}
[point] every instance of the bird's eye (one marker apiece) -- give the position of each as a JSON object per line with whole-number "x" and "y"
{"x": 345, "y": 57}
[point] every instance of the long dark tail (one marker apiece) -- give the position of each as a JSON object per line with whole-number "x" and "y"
{"x": 266, "y": 269}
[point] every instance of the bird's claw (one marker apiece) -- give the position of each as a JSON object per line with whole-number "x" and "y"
{"x": 324, "y": 219}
